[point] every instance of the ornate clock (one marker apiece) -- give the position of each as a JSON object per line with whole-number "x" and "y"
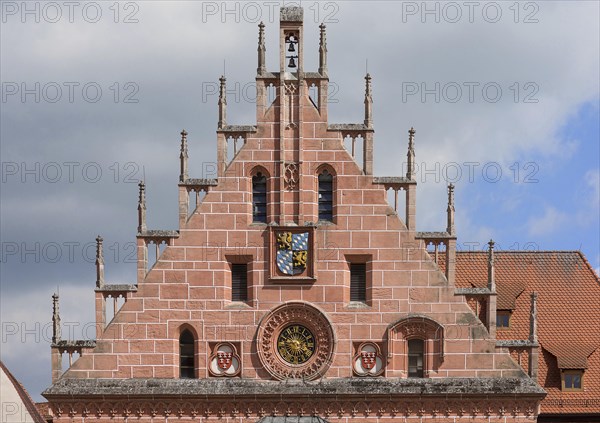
{"x": 296, "y": 344}
{"x": 295, "y": 341}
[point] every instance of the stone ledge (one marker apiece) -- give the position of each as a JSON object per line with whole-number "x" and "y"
{"x": 121, "y": 287}
{"x": 74, "y": 344}
{"x": 348, "y": 127}
{"x": 473, "y": 291}
{"x": 434, "y": 235}
{"x": 194, "y": 181}
{"x": 305, "y": 75}
{"x": 516, "y": 343}
{"x": 238, "y": 128}
{"x": 314, "y": 75}
{"x": 399, "y": 180}
{"x": 159, "y": 233}
{"x": 445, "y": 387}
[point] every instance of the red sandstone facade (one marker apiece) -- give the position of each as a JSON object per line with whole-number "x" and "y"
{"x": 188, "y": 345}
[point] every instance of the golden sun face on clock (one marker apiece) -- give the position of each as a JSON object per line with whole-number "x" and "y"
{"x": 296, "y": 344}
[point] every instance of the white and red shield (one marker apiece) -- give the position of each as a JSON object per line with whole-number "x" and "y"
{"x": 224, "y": 359}
{"x": 368, "y": 359}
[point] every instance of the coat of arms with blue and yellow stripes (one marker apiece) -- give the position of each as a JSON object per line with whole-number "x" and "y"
{"x": 292, "y": 252}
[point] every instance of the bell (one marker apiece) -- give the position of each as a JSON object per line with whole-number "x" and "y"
{"x": 291, "y": 48}
{"x": 292, "y": 63}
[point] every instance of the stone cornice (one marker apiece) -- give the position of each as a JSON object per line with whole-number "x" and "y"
{"x": 446, "y": 387}
{"x": 351, "y": 398}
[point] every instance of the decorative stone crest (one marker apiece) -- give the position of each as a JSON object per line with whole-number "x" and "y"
{"x": 299, "y": 315}
{"x": 292, "y": 252}
{"x": 368, "y": 360}
{"x": 224, "y": 360}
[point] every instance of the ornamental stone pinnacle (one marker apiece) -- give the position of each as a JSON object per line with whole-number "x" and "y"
{"x": 323, "y": 51}
{"x": 222, "y": 103}
{"x": 262, "y": 67}
{"x": 142, "y": 208}
{"x": 533, "y": 318}
{"x": 450, "y": 211}
{"x": 99, "y": 263}
{"x": 183, "y": 158}
{"x": 56, "y": 335}
{"x": 368, "y": 102}
{"x": 410, "y": 162}
{"x": 491, "y": 271}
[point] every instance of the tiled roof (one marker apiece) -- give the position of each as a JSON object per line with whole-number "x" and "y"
{"x": 568, "y": 298}
{"x": 32, "y": 412}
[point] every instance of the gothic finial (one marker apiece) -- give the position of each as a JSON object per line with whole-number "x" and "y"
{"x": 533, "y": 318}
{"x": 222, "y": 80}
{"x": 410, "y": 162}
{"x": 262, "y": 68}
{"x": 323, "y": 51}
{"x": 142, "y": 193}
{"x": 368, "y": 88}
{"x": 183, "y": 158}
{"x": 368, "y": 102}
{"x": 222, "y": 103}
{"x": 491, "y": 270}
{"x": 450, "y": 210}
{"x": 99, "y": 246}
{"x": 142, "y": 208}
{"x": 56, "y": 335}
{"x": 99, "y": 262}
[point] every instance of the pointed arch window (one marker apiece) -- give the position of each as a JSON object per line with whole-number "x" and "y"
{"x": 259, "y": 198}
{"x": 186, "y": 355}
{"x": 326, "y": 196}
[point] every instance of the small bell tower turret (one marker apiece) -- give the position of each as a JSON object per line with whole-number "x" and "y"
{"x": 291, "y": 40}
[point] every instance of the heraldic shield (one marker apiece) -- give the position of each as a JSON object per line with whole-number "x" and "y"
{"x": 292, "y": 252}
{"x": 224, "y": 360}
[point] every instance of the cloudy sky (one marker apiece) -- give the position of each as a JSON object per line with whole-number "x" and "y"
{"x": 504, "y": 97}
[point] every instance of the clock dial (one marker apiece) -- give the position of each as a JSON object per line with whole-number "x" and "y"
{"x": 296, "y": 344}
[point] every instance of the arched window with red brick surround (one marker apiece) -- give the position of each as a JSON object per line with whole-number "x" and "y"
{"x": 326, "y": 193}
{"x": 259, "y": 195}
{"x": 187, "y": 355}
{"x": 416, "y": 346}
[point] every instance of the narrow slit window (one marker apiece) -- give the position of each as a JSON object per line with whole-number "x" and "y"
{"x": 326, "y": 196}
{"x": 259, "y": 198}
{"x": 358, "y": 282}
{"x": 415, "y": 357}
{"x": 186, "y": 355}
{"x": 239, "y": 282}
